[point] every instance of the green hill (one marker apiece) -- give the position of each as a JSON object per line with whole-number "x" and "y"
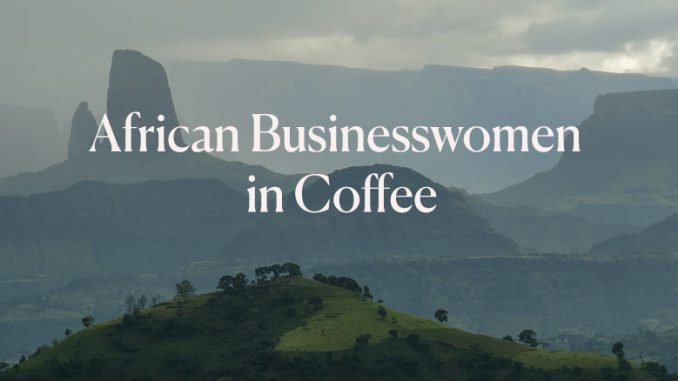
{"x": 293, "y": 328}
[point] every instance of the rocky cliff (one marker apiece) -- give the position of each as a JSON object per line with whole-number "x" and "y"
{"x": 627, "y": 170}
{"x": 83, "y": 130}
{"x": 139, "y": 83}
{"x": 136, "y": 83}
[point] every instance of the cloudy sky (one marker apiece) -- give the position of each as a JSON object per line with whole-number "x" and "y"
{"x": 61, "y": 47}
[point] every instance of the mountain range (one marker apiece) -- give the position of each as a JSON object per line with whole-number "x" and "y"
{"x": 626, "y": 172}
{"x": 551, "y": 294}
{"x": 118, "y": 217}
{"x": 95, "y": 227}
{"x": 136, "y": 83}
{"x": 216, "y": 94}
{"x": 659, "y": 237}
{"x": 454, "y": 229}
{"x": 31, "y": 140}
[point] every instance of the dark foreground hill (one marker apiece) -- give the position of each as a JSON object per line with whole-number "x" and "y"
{"x": 453, "y": 229}
{"x": 296, "y": 329}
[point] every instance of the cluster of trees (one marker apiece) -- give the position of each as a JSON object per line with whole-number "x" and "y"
{"x": 623, "y": 371}
{"x": 343, "y": 282}
{"x": 134, "y": 305}
{"x": 229, "y": 283}
{"x": 624, "y": 366}
{"x": 265, "y": 273}
{"x": 527, "y": 336}
{"x": 659, "y": 371}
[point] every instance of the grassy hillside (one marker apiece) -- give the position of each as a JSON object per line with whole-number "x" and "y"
{"x": 295, "y": 329}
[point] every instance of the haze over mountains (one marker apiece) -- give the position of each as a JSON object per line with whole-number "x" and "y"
{"x": 303, "y": 94}
{"x": 31, "y": 140}
{"x": 454, "y": 229}
{"x": 217, "y": 94}
{"x": 545, "y": 231}
{"x": 551, "y": 294}
{"x": 136, "y": 83}
{"x": 627, "y": 172}
{"x": 660, "y": 237}
{"x": 155, "y": 216}
{"x": 94, "y": 227}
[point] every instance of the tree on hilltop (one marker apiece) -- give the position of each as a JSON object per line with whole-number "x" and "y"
{"x": 87, "y": 321}
{"x": 529, "y": 337}
{"x": 440, "y": 315}
{"x": 184, "y": 290}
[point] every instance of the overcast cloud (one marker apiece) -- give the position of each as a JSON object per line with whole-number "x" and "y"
{"x": 63, "y": 47}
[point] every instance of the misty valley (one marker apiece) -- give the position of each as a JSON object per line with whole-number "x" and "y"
{"x": 144, "y": 257}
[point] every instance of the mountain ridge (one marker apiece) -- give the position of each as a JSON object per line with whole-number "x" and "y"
{"x": 137, "y": 83}
{"x": 454, "y": 228}
{"x": 627, "y": 170}
{"x": 306, "y": 94}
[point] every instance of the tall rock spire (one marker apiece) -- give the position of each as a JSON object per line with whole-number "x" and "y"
{"x": 83, "y": 130}
{"x": 139, "y": 83}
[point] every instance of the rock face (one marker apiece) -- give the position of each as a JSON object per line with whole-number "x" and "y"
{"x": 303, "y": 95}
{"x": 139, "y": 83}
{"x": 136, "y": 83}
{"x": 627, "y": 172}
{"x": 83, "y": 130}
